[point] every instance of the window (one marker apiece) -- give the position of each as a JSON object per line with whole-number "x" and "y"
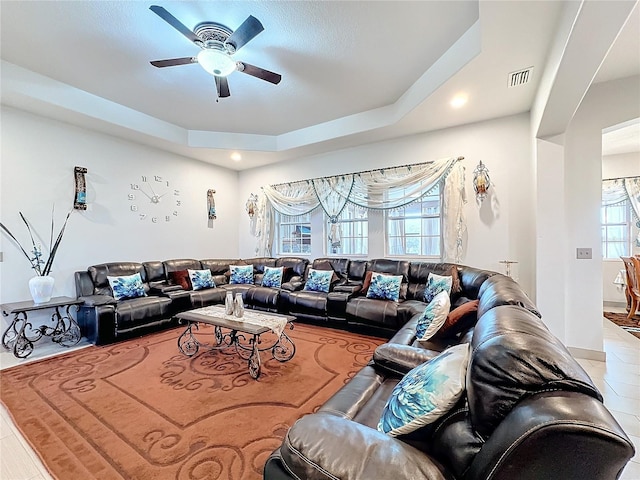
{"x": 415, "y": 228}
{"x": 293, "y": 233}
{"x": 616, "y": 230}
{"x": 350, "y": 234}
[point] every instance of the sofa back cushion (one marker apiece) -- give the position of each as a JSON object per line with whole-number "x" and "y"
{"x": 155, "y": 272}
{"x": 515, "y": 356}
{"x": 471, "y": 279}
{"x": 181, "y": 264}
{"x": 338, "y": 265}
{"x": 502, "y": 290}
{"x": 100, "y": 272}
{"x": 259, "y": 263}
{"x": 392, "y": 267}
{"x": 293, "y": 267}
{"x": 220, "y": 268}
{"x": 419, "y": 276}
{"x": 357, "y": 270}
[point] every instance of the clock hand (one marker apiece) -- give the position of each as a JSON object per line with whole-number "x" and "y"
{"x": 149, "y": 196}
{"x": 154, "y": 193}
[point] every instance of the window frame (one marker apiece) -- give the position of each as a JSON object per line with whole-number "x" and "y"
{"x": 327, "y": 228}
{"x": 420, "y": 200}
{"x": 292, "y": 220}
{"x": 628, "y": 228}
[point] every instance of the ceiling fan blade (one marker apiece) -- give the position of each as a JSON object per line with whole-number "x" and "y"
{"x": 245, "y": 32}
{"x": 170, "y": 62}
{"x": 222, "y": 86}
{"x": 260, "y": 73}
{"x": 175, "y": 23}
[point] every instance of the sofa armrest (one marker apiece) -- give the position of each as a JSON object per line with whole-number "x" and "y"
{"x": 164, "y": 289}
{"x": 399, "y": 359}
{"x": 293, "y": 285}
{"x": 98, "y": 323}
{"x": 348, "y": 288}
{"x": 322, "y": 446}
{"x": 97, "y": 300}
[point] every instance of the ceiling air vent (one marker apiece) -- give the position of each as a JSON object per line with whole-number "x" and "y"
{"x": 520, "y": 77}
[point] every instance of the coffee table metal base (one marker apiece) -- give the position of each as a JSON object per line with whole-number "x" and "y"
{"x": 246, "y": 345}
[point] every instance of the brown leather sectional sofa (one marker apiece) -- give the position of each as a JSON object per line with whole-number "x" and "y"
{"x": 529, "y": 410}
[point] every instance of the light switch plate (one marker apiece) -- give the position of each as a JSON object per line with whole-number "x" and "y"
{"x": 584, "y": 253}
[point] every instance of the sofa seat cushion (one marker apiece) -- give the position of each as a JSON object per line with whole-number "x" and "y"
{"x": 208, "y": 296}
{"x": 133, "y": 311}
{"x": 382, "y": 313}
{"x": 262, "y": 298}
{"x": 309, "y": 303}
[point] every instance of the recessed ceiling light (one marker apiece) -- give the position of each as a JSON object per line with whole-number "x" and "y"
{"x": 458, "y": 101}
{"x": 236, "y": 157}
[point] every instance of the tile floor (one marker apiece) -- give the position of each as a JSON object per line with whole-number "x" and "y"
{"x": 618, "y": 379}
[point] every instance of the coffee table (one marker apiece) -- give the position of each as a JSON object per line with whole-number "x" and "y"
{"x": 243, "y": 334}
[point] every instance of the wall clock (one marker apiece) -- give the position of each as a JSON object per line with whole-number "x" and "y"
{"x": 154, "y": 199}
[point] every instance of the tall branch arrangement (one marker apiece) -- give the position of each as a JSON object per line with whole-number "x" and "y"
{"x": 41, "y": 266}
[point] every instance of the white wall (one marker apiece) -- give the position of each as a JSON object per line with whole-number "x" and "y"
{"x": 614, "y": 166}
{"x": 36, "y": 171}
{"x": 605, "y": 104}
{"x": 500, "y": 229}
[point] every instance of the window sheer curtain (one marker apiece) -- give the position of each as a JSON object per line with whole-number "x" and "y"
{"x": 380, "y": 189}
{"x": 620, "y": 189}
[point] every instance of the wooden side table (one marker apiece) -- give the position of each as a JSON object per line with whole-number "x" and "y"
{"x": 20, "y": 335}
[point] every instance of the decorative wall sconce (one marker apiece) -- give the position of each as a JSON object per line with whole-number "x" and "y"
{"x": 80, "y": 194}
{"x": 252, "y": 205}
{"x": 211, "y": 205}
{"x": 481, "y": 181}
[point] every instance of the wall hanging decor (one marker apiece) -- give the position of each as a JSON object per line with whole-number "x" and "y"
{"x": 252, "y": 205}
{"x": 80, "y": 195}
{"x": 211, "y": 205}
{"x": 481, "y": 181}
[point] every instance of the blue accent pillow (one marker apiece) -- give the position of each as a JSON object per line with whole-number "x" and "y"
{"x": 201, "y": 279}
{"x": 436, "y": 284}
{"x": 384, "y": 287}
{"x": 318, "y": 280}
{"x": 433, "y": 317}
{"x": 241, "y": 274}
{"x": 426, "y": 393}
{"x": 272, "y": 277}
{"x": 128, "y": 286}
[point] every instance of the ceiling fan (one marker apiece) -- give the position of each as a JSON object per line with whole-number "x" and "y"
{"x": 218, "y": 43}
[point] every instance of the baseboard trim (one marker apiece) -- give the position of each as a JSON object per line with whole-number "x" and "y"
{"x": 587, "y": 354}
{"x": 614, "y": 304}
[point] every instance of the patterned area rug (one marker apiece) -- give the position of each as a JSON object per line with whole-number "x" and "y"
{"x": 632, "y": 325}
{"x": 141, "y": 410}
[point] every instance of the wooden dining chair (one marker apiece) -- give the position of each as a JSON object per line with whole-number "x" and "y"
{"x": 632, "y": 267}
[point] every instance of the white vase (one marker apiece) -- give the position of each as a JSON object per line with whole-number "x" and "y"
{"x": 238, "y": 307}
{"x": 228, "y": 304}
{"x": 41, "y": 288}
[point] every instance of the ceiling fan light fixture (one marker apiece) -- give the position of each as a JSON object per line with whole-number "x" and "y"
{"x": 216, "y": 62}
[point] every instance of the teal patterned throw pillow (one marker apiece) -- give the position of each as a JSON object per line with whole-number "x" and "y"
{"x": 241, "y": 274}
{"x": 384, "y": 287}
{"x": 201, "y": 279}
{"x": 436, "y": 284}
{"x": 318, "y": 280}
{"x": 426, "y": 393}
{"x": 272, "y": 277}
{"x": 129, "y": 286}
{"x": 433, "y": 317}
